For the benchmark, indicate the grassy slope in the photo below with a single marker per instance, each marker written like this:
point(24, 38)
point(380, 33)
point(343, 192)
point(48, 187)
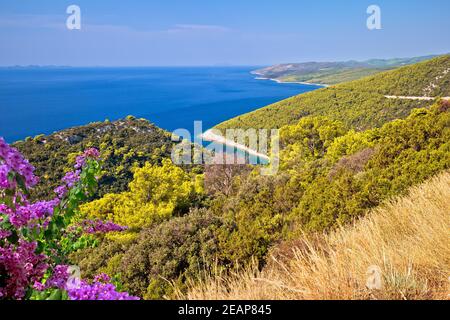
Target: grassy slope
point(359, 104)
point(407, 239)
point(332, 78)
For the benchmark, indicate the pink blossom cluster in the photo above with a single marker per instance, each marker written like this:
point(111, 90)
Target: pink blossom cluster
point(24, 215)
point(61, 191)
point(12, 161)
point(99, 226)
point(23, 266)
point(4, 181)
point(20, 264)
point(91, 153)
point(71, 178)
point(4, 233)
point(58, 279)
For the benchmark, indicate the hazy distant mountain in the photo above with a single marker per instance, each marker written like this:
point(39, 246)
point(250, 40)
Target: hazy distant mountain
point(330, 73)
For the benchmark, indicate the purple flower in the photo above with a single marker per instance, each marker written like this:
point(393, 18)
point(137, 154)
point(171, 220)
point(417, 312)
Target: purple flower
point(102, 277)
point(24, 215)
point(71, 178)
point(38, 286)
point(59, 277)
point(4, 234)
point(4, 148)
point(12, 160)
point(100, 289)
point(4, 208)
point(80, 162)
point(99, 226)
point(91, 153)
point(4, 182)
point(61, 191)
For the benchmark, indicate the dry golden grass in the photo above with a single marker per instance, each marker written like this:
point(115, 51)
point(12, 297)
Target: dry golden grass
point(407, 240)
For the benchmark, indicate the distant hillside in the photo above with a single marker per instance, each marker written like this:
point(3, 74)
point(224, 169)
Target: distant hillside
point(360, 104)
point(124, 144)
point(330, 73)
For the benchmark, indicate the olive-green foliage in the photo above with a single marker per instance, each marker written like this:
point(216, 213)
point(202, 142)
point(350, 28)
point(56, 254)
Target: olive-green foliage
point(359, 104)
point(340, 179)
point(124, 145)
point(351, 174)
point(406, 153)
point(105, 258)
point(403, 153)
point(161, 257)
point(172, 251)
point(253, 217)
point(356, 109)
point(430, 78)
point(309, 139)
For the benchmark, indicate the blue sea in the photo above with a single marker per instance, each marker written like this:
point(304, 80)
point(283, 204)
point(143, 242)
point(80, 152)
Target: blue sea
point(44, 100)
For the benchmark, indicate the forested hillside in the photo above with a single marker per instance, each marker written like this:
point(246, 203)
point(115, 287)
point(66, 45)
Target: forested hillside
point(124, 145)
point(359, 104)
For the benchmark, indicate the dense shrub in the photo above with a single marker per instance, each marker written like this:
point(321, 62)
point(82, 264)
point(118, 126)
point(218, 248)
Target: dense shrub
point(104, 258)
point(170, 252)
point(254, 216)
point(220, 178)
point(406, 152)
point(309, 139)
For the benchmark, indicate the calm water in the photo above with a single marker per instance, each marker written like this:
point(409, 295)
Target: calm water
point(35, 101)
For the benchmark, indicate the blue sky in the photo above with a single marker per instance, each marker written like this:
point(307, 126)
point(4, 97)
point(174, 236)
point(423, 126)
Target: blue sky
point(217, 32)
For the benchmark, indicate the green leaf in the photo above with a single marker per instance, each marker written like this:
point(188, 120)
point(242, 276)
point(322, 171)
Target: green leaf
point(55, 295)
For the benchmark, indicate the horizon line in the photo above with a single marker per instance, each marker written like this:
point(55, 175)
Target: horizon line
point(213, 65)
point(125, 66)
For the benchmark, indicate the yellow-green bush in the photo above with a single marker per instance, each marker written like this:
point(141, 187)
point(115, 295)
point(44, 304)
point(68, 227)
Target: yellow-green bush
point(156, 193)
